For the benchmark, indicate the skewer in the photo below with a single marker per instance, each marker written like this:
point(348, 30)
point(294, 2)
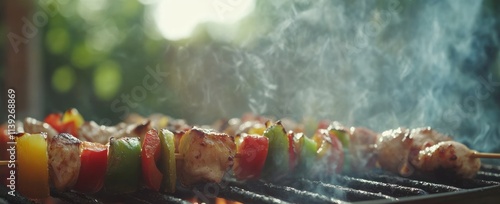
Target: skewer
point(476, 154)
point(177, 156)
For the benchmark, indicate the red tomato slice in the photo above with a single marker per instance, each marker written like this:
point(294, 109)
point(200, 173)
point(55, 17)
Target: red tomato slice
point(253, 152)
point(150, 154)
point(94, 160)
point(292, 151)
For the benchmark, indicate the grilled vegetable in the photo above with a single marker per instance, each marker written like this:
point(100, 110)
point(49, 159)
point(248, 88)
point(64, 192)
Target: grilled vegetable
point(150, 154)
point(277, 160)
point(168, 165)
point(94, 160)
point(124, 165)
point(70, 122)
point(340, 132)
point(253, 152)
point(306, 152)
point(257, 129)
point(32, 163)
point(64, 160)
point(330, 153)
point(292, 152)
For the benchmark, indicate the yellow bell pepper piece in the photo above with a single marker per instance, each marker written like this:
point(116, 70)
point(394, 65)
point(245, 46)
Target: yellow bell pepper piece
point(257, 129)
point(32, 162)
point(73, 115)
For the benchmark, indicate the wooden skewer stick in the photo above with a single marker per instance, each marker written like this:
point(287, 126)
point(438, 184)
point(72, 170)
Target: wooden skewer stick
point(177, 156)
point(485, 155)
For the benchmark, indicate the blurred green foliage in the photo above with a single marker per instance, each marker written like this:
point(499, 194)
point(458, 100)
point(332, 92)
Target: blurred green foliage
point(93, 52)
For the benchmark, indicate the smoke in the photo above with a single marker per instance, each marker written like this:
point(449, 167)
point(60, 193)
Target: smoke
point(378, 64)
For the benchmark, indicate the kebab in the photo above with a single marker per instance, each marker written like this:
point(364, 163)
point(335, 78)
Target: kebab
point(297, 146)
point(194, 165)
point(419, 151)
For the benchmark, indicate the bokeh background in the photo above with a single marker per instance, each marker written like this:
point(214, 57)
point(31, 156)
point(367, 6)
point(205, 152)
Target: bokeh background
point(380, 64)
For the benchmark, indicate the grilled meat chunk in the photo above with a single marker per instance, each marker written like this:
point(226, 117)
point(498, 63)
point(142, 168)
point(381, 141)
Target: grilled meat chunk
point(361, 148)
point(64, 160)
point(448, 155)
point(207, 156)
point(423, 150)
point(32, 125)
point(92, 132)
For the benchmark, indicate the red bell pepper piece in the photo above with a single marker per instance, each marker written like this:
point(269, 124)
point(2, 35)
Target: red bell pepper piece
point(253, 152)
point(55, 120)
point(330, 152)
point(70, 122)
point(94, 160)
point(150, 154)
point(292, 151)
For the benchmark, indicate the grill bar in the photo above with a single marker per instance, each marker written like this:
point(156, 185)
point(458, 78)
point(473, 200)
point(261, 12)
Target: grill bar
point(339, 192)
point(154, 197)
point(289, 194)
point(426, 186)
point(245, 196)
point(73, 197)
point(463, 183)
point(298, 195)
point(379, 187)
point(490, 168)
point(488, 176)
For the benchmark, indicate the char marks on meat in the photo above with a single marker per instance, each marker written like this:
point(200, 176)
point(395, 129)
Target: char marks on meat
point(64, 160)
point(423, 150)
point(207, 156)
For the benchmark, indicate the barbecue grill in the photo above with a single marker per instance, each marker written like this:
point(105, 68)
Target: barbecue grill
point(372, 187)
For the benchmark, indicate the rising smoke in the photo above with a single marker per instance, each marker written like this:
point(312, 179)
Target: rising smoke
point(379, 64)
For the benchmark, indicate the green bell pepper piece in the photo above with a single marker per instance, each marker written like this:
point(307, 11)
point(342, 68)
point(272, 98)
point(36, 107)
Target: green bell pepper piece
point(347, 161)
point(124, 165)
point(307, 148)
point(341, 132)
point(277, 159)
point(167, 165)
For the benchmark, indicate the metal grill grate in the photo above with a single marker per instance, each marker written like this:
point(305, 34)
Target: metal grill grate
point(377, 186)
